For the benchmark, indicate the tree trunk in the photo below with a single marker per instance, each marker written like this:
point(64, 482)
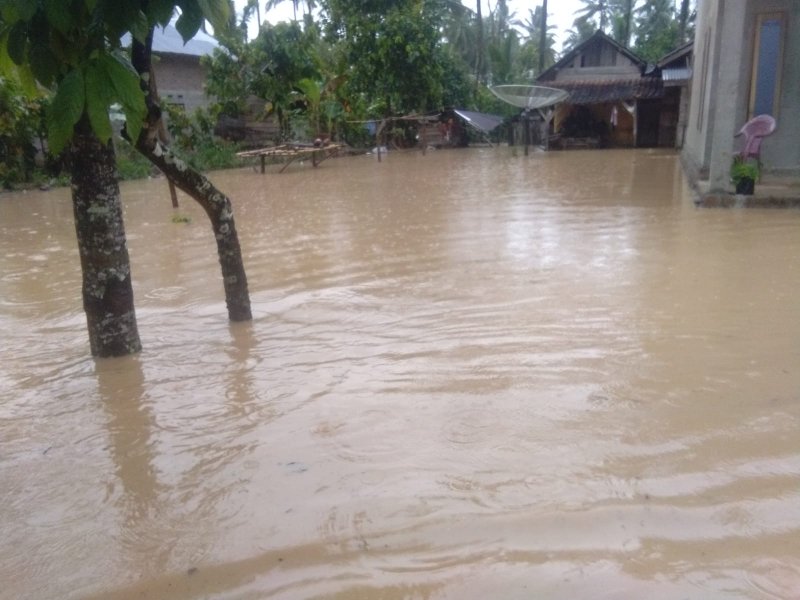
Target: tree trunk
point(543, 38)
point(479, 51)
point(220, 211)
point(683, 21)
point(627, 17)
point(216, 204)
point(107, 289)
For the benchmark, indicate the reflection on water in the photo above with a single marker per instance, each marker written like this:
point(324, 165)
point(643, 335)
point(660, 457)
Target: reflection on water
point(469, 375)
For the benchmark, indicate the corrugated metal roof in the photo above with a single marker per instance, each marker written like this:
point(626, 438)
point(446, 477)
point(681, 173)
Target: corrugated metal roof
point(676, 74)
point(169, 41)
point(601, 92)
point(482, 121)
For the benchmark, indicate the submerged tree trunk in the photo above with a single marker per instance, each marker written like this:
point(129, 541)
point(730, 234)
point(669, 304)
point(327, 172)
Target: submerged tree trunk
point(107, 289)
point(216, 204)
point(220, 212)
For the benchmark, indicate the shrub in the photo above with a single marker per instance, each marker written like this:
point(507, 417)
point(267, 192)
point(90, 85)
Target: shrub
point(194, 141)
point(20, 118)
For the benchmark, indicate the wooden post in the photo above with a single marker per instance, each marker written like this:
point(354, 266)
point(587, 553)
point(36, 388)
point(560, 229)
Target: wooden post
point(263, 164)
point(424, 137)
point(632, 110)
point(526, 130)
point(378, 136)
point(173, 194)
point(547, 117)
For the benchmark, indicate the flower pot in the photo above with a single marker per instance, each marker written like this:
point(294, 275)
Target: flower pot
point(745, 186)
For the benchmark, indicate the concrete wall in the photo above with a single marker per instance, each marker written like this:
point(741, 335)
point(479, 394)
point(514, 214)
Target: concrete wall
point(724, 48)
point(181, 79)
point(781, 151)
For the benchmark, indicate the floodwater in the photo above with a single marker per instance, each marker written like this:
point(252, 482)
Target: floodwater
point(470, 375)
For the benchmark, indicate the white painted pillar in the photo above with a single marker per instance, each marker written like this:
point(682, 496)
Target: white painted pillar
point(729, 93)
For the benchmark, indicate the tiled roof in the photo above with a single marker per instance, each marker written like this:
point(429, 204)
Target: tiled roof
point(601, 92)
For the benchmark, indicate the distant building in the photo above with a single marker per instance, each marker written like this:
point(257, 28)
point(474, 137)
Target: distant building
point(747, 62)
point(614, 99)
point(180, 77)
point(675, 70)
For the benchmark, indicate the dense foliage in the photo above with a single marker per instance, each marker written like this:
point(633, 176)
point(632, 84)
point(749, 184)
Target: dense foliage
point(20, 119)
point(346, 61)
point(339, 62)
point(651, 28)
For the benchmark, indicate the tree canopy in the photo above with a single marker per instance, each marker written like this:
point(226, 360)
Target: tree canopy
point(73, 48)
point(652, 28)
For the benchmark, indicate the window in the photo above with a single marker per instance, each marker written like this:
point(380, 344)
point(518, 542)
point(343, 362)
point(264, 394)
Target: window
point(765, 83)
point(591, 56)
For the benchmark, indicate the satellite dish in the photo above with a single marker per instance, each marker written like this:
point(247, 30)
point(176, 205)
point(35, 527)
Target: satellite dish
point(529, 96)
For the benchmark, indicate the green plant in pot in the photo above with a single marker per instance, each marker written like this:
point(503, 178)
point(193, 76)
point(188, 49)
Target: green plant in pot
point(744, 174)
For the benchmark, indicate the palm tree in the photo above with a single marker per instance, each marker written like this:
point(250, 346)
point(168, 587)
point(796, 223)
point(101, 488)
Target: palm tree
point(656, 29)
point(273, 3)
point(543, 36)
point(480, 51)
point(582, 30)
point(683, 21)
point(540, 36)
point(252, 6)
point(622, 21)
point(597, 11)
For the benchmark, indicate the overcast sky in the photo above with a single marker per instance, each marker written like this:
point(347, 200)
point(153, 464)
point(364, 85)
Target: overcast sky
point(561, 12)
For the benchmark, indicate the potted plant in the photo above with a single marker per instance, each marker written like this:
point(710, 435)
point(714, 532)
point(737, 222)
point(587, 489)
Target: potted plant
point(744, 174)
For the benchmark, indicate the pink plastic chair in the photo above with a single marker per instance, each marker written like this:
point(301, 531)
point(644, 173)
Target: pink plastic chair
point(755, 130)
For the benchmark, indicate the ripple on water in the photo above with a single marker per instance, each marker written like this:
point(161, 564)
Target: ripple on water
point(778, 579)
point(505, 376)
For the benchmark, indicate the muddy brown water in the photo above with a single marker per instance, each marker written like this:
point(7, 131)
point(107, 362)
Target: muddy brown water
point(470, 375)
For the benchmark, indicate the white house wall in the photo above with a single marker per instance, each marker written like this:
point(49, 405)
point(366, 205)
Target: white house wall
point(724, 47)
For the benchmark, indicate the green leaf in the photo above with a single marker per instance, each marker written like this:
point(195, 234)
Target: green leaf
point(59, 15)
point(188, 24)
point(125, 83)
point(27, 81)
point(99, 97)
point(133, 123)
point(25, 8)
point(65, 110)
point(17, 42)
point(140, 26)
point(160, 11)
point(6, 64)
point(117, 17)
point(217, 12)
point(43, 63)
point(8, 12)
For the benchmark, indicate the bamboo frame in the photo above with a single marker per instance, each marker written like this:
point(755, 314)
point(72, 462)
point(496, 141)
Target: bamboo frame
point(292, 152)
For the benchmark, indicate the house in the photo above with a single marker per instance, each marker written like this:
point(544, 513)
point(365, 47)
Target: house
point(180, 76)
point(675, 70)
point(747, 62)
point(614, 98)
